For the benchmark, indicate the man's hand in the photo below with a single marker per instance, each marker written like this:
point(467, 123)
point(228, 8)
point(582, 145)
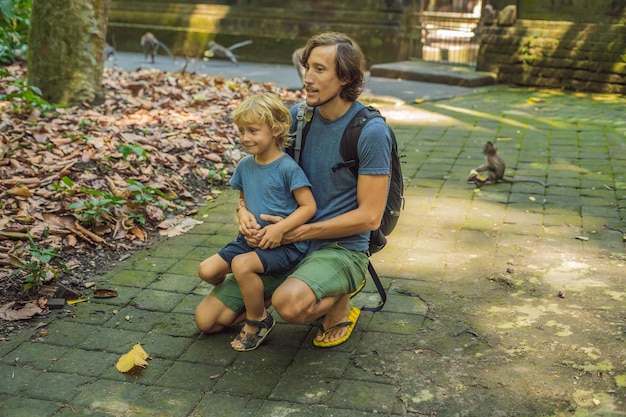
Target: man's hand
point(289, 237)
point(272, 237)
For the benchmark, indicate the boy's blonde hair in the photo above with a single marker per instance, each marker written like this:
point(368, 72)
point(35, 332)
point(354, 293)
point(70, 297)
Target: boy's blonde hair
point(266, 108)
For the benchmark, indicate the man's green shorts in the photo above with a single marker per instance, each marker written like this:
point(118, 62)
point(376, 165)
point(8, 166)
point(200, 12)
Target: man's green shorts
point(329, 271)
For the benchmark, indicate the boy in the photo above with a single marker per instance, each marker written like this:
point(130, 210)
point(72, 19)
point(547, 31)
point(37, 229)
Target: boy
point(269, 182)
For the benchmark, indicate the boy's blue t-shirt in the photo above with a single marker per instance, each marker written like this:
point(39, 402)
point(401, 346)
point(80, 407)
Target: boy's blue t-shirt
point(335, 192)
point(268, 188)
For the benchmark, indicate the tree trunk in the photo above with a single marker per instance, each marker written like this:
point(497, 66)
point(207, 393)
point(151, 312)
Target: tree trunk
point(66, 49)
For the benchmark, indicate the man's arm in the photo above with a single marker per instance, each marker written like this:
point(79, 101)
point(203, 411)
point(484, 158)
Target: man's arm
point(272, 235)
point(371, 199)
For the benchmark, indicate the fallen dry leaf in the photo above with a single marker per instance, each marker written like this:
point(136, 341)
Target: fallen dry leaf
point(172, 132)
point(19, 310)
point(175, 227)
point(136, 357)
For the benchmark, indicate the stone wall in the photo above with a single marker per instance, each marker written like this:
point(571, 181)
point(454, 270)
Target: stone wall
point(276, 27)
point(574, 56)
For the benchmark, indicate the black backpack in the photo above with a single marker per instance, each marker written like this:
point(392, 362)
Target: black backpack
point(349, 153)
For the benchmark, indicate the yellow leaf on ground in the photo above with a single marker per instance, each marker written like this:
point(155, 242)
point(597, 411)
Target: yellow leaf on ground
point(136, 357)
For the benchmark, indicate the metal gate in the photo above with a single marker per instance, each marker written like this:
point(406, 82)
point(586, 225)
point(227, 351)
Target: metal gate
point(444, 30)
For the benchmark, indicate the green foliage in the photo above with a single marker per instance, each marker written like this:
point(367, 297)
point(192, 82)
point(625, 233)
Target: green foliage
point(92, 211)
point(23, 97)
point(144, 194)
point(14, 25)
point(42, 267)
point(130, 149)
point(65, 186)
point(102, 205)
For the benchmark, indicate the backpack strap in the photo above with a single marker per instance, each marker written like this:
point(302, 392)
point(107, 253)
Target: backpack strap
point(303, 117)
point(350, 139)
point(379, 287)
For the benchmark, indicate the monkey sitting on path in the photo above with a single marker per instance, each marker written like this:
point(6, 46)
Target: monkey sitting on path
point(494, 166)
point(150, 44)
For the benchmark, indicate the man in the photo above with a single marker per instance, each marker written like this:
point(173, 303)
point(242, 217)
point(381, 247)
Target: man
point(348, 207)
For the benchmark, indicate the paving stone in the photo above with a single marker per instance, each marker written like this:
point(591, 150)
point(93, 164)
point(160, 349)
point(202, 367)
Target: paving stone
point(132, 277)
point(175, 324)
point(27, 407)
point(67, 333)
point(157, 300)
point(405, 299)
point(91, 363)
point(159, 401)
point(12, 342)
point(135, 319)
point(169, 249)
point(124, 295)
point(221, 405)
point(188, 304)
point(37, 355)
point(56, 386)
point(91, 312)
point(387, 322)
point(111, 340)
point(144, 376)
point(165, 346)
point(199, 254)
point(212, 350)
point(73, 411)
point(278, 408)
point(109, 396)
point(179, 283)
point(286, 337)
point(16, 379)
point(365, 396)
point(184, 267)
point(149, 263)
point(257, 382)
point(305, 389)
point(190, 376)
point(316, 364)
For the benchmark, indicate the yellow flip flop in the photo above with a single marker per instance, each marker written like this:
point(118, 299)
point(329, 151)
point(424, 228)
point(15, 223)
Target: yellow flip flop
point(358, 289)
point(350, 324)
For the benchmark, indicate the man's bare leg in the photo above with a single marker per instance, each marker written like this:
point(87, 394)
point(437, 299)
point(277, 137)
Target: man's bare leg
point(296, 303)
point(212, 315)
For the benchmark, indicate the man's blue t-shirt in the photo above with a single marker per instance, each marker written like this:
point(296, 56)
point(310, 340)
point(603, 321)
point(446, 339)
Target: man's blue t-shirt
point(335, 192)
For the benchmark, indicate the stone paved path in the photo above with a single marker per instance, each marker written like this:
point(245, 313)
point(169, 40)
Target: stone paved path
point(473, 325)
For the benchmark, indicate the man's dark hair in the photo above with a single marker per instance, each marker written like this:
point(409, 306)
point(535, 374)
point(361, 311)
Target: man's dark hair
point(349, 62)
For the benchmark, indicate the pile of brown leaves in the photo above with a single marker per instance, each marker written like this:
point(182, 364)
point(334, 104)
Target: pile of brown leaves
point(170, 132)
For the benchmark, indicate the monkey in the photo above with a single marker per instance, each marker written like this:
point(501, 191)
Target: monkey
point(296, 59)
point(507, 16)
point(217, 49)
point(109, 52)
point(495, 166)
point(489, 15)
point(150, 44)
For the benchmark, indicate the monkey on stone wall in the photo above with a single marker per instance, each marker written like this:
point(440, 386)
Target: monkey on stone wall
point(150, 45)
